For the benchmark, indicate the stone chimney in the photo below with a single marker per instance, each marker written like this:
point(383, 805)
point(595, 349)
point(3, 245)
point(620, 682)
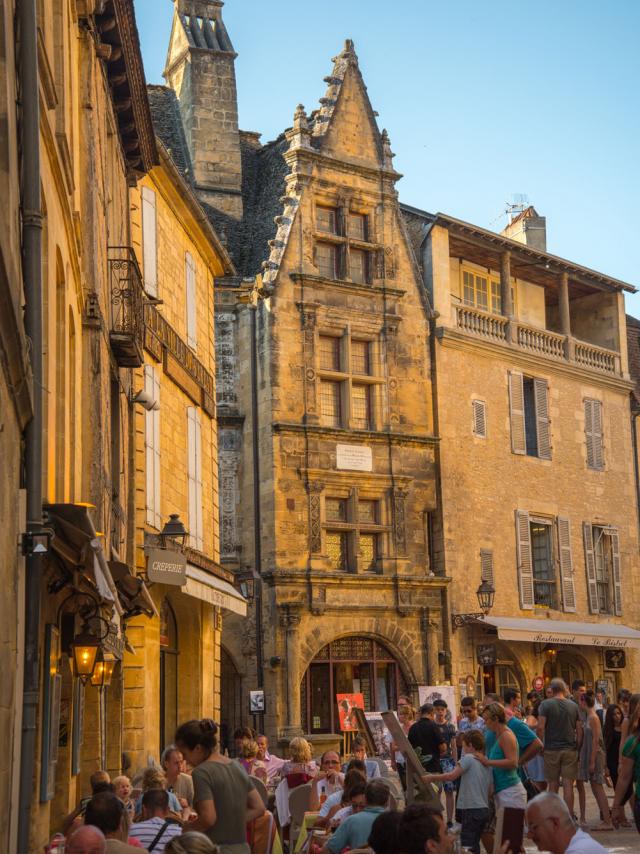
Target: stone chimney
point(528, 227)
point(200, 69)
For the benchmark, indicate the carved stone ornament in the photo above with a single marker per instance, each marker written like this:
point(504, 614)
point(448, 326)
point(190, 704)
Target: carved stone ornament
point(399, 520)
point(315, 523)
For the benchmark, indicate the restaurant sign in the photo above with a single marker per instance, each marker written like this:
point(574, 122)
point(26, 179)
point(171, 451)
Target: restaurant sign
point(167, 567)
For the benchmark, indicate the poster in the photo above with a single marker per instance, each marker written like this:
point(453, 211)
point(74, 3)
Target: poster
point(346, 702)
point(380, 734)
point(429, 693)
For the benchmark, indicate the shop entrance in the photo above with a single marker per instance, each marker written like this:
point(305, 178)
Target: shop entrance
point(351, 665)
point(230, 700)
point(496, 679)
point(168, 675)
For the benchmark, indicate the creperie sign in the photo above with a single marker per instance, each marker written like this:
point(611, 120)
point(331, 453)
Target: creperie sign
point(167, 567)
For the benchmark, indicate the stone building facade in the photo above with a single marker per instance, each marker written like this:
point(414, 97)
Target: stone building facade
point(324, 402)
point(16, 409)
point(538, 494)
point(174, 673)
point(96, 140)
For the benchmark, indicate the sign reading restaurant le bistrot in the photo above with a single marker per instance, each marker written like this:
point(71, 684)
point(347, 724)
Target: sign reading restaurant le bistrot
point(167, 567)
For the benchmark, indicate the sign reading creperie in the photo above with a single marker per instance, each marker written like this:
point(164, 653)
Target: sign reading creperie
point(167, 567)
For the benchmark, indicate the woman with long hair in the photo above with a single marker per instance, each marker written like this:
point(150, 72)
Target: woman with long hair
point(612, 733)
point(629, 768)
point(224, 796)
point(300, 768)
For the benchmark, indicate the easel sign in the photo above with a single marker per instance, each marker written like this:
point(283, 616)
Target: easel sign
point(415, 771)
point(364, 731)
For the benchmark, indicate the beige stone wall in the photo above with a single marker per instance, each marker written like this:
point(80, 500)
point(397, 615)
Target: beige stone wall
point(484, 483)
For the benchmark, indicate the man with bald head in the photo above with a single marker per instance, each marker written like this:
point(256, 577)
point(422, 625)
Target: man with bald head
point(86, 840)
point(552, 828)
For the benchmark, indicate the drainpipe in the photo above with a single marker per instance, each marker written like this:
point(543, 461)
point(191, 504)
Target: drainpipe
point(636, 471)
point(32, 273)
point(257, 518)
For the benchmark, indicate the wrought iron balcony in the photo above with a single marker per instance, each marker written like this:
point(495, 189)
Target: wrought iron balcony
point(126, 330)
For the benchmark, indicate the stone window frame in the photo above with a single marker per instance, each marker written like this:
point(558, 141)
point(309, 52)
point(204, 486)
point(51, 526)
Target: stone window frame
point(347, 378)
point(352, 527)
point(343, 241)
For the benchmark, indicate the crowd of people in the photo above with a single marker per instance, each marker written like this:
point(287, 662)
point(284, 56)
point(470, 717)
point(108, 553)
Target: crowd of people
point(534, 756)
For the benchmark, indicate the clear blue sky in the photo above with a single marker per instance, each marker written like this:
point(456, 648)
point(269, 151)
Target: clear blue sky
point(481, 100)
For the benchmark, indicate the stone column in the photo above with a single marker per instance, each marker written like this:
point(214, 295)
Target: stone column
point(290, 622)
point(505, 292)
point(430, 629)
point(565, 315)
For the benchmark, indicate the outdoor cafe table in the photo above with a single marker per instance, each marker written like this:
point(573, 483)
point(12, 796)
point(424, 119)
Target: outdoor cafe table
point(307, 823)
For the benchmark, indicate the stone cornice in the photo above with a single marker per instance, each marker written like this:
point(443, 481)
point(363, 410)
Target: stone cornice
point(450, 337)
point(361, 436)
point(356, 581)
point(348, 167)
point(321, 281)
point(345, 476)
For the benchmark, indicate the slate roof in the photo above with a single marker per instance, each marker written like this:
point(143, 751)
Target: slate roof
point(167, 123)
point(633, 345)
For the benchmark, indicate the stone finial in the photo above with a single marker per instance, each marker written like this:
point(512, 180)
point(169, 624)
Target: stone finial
point(347, 56)
point(299, 135)
point(387, 154)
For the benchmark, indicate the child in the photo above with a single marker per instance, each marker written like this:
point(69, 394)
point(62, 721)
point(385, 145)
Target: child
point(122, 788)
point(473, 797)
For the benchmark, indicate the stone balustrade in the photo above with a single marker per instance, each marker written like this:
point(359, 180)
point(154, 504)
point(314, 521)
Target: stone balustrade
point(543, 342)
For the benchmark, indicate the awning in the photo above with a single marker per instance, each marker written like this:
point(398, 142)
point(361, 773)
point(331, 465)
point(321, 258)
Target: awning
point(132, 590)
point(611, 635)
point(208, 588)
point(77, 543)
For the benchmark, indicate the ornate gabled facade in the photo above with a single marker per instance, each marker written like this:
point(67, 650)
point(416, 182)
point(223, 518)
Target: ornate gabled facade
point(327, 474)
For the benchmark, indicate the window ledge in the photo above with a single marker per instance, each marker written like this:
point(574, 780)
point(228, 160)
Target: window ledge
point(322, 281)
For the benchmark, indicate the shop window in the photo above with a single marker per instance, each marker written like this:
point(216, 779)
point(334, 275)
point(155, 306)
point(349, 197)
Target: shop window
point(168, 674)
point(346, 666)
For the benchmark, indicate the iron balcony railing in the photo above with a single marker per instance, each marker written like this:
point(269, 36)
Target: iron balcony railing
point(126, 331)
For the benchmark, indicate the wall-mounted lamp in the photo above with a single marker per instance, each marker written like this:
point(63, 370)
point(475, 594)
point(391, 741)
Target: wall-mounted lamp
point(486, 594)
point(36, 542)
point(174, 530)
point(84, 648)
point(103, 673)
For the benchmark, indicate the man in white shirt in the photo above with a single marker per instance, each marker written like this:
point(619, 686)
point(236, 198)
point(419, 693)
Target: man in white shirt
point(327, 781)
point(273, 763)
point(551, 827)
point(156, 829)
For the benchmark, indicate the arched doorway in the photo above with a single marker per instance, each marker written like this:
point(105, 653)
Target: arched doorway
point(230, 700)
point(349, 665)
point(168, 674)
point(505, 673)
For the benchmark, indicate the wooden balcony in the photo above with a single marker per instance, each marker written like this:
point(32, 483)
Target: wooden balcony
point(542, 342)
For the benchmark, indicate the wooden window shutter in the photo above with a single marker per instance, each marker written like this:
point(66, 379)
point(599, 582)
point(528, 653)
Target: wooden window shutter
point(593, 433)
point(516, 411)
point(543, 429)
point(566, 565)
point(192, 322)
point(149, 241)
point(479, 418)
point(156, 451)
point(486, 565)
point(617, 574)
point(198, 474)
point(525, 561)
point(148, 450)
point(191, 476)
point(590, 563)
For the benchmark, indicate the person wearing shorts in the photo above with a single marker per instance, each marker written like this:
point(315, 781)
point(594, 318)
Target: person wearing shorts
point(449, 758)
point(560, 730)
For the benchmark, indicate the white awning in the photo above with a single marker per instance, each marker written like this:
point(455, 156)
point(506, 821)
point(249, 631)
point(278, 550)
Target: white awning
point(605, 634)
point(206, 587)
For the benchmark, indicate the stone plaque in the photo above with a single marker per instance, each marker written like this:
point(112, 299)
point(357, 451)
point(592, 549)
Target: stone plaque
point(165, 566)
point(354, 457)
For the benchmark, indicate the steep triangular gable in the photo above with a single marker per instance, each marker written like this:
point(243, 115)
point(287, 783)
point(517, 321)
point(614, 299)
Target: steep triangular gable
point(345, 126)
point(178, 41)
